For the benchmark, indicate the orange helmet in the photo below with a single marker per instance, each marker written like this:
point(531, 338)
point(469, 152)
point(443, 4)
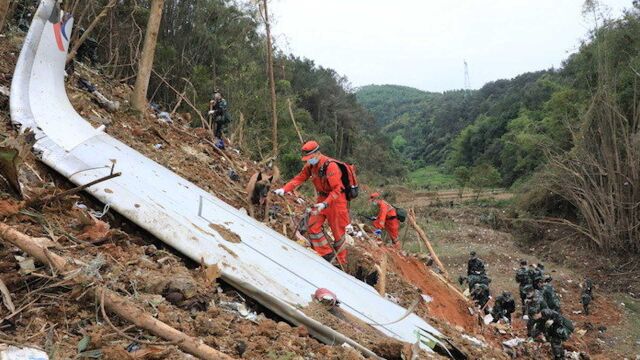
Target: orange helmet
point(326, 296)
point(375, 195)
point(309, 149)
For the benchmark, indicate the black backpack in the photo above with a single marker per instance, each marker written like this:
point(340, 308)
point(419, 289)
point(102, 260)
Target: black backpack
point(401, 214)
point(349, 180)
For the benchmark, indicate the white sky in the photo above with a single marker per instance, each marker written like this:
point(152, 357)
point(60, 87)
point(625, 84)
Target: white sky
point(422, 43)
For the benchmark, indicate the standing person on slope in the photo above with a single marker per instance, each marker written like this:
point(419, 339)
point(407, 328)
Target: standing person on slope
point(387, 219)
point(331, 204)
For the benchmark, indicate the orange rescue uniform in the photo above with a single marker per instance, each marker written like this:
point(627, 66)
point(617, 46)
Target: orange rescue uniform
point(387, 219)
point(330, 191)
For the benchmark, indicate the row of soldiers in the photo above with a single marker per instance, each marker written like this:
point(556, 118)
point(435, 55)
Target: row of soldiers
point(539, 300)
point(541, 307)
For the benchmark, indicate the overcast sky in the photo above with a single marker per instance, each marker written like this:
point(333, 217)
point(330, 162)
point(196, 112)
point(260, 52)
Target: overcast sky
point(423, 43)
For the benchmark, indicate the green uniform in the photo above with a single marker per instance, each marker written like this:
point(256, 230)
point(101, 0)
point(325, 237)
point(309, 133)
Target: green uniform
point(556, 329)
point(480, 294)
point(475, 266)
point(585, 299)
point(477, 279)
point(535, 304)
point(220, 117)
point(503, 307)
point(523, 279)
point(550, 297)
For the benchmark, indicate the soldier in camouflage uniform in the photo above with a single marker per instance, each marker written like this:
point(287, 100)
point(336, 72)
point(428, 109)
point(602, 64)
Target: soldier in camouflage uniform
point(549, 294)
point(481, 295)
point(478, 279)
point(503, 307)
point(534, 305)
point(523, 279)
point(475, 266)
point(556, 329)
point(585, 300)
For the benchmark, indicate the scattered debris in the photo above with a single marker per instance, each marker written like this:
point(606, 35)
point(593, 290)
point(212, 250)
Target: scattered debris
point(10, 352)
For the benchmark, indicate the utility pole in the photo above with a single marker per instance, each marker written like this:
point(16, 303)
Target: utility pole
point(145, 65)
point(467, 83)
point(272, 84)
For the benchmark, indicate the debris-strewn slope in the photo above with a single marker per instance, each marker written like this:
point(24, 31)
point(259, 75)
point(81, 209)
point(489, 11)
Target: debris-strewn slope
point(55, 314)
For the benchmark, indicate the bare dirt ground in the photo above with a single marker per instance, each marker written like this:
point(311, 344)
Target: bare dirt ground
point(612, 331)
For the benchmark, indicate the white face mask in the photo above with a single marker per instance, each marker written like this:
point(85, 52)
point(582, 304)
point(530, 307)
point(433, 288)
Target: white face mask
point(313, 161)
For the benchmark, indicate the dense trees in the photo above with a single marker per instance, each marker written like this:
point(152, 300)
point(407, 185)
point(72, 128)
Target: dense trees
point(574, 132)
point(207, 44)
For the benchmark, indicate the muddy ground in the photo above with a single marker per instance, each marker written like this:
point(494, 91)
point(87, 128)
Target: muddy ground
point(612, 330)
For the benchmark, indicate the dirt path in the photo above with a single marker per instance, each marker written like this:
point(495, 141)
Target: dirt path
point(418, 199)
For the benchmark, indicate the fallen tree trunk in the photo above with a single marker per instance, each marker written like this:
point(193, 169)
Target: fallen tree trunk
point(425, 239)
point(115, 303)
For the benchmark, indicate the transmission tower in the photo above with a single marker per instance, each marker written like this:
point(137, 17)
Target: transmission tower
point(467, 83)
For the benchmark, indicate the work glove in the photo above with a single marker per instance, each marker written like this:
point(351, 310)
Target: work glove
point(349, 229)
point(279, 192)
point(320, 206)
point(378, 232)
point(548, 323)
point(211, 112)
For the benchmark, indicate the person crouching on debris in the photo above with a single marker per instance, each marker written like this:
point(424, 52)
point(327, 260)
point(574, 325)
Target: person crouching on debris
point(219, 116)
point(331, 204)
point(503, 307)
point(557, 329)
point(386, 219)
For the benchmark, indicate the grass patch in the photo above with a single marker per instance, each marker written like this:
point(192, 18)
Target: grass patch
point(431, 178)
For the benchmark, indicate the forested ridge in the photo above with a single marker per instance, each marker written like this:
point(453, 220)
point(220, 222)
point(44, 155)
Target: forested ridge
point(205, 45)
point(510, 123)
point(569, 138)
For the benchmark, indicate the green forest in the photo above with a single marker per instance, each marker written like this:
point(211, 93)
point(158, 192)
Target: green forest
point(205, 45)
point(565, 139)
point(512, 125)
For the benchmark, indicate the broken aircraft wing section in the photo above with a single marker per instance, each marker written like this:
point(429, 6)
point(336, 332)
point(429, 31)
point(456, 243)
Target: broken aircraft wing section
point(278, 272)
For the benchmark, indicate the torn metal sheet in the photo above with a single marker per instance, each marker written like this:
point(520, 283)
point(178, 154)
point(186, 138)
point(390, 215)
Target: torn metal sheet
point(179, 213)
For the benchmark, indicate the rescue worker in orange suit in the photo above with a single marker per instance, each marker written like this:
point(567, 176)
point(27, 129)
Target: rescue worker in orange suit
point(387, 219)
point(331, 204)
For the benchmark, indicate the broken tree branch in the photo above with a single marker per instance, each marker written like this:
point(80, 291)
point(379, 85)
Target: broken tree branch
point(179, 94)
point(85, 35)
point(6, 297)
point(115, 303)
point(381, 285)
point(295, 124)
point(38, 202)
point(425, 239)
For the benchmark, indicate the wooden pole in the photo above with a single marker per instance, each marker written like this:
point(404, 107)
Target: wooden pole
point(117, 304)
point(293, 120)
point(422, 235)
point(272, 84)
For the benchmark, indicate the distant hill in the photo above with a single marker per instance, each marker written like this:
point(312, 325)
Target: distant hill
point(427, 128)
point(387, 102)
